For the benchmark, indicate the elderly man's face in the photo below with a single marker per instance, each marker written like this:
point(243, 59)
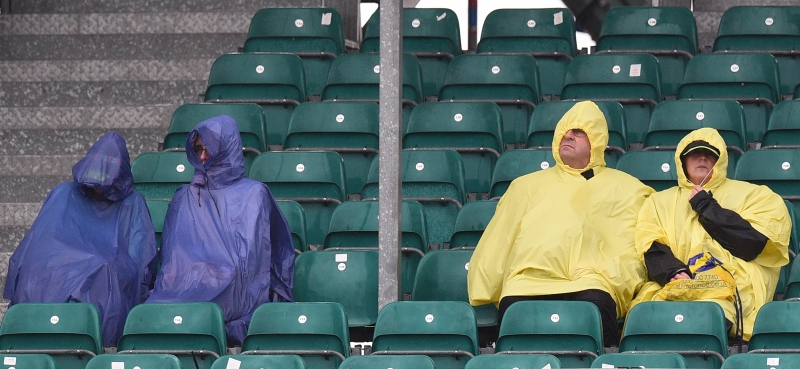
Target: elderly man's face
point(699, 164)
point(201, 150)
point(575, 149)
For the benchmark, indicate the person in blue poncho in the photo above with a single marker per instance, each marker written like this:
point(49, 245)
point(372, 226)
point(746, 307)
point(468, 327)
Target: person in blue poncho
point(93, 241)
point(224, 239)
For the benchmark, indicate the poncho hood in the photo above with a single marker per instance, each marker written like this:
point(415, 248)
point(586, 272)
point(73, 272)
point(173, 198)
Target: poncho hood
point(587, 117)
point(107, 166)
point(226, 164)
point(720, 171)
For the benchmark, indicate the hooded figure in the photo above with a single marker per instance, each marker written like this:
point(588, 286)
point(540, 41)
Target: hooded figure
point(744, 226)
point(562, 230)
point(224, 239)
point(91, 242)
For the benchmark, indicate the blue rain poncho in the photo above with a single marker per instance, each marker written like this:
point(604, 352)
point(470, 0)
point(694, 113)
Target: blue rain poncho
point(224, 239)
point(91, 242)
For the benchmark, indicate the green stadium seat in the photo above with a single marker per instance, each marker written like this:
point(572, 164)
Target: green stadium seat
point(316, 35)
point(510, 81)
point(158, 212)
point(668, 33)
point(546, 34)
point(570, 330)
point(354, 226)
point(517, 163)
point(518, 361)
point(296, 217)
point(473, 129)
point(347, 277)
point(768, 29)
point(777, 328)
point(631, 360)
point(432, 35)
point(794, 248)
point(114, 361)
point(673, 120)
point(27, 361)
point(546, 116)
point(750, 79)
point(68, 332)
point(273, 81)
point(783, 130)
point(445, 331)
point(694, 329)
point(435, 178)
point(762, 361)
point(633, 80)
point(442, 276)
point(260, 361)
point(157, 175)
point(388, 362)
point(315, 179)
point(316, 331)
point(778, 169)
point(472, 220)
point(192, 331)
point(654, 168)
point(349, 128)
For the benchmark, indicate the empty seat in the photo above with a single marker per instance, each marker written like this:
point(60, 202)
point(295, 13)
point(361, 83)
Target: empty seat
point(750, 79)
point(767, 29)
point(519, 361)
point(779, 169)
point(314, 34)
point(546, 116)
point(633, 80)
point(347, 277)
point(354, 226)
point(435, 178)
point(349, 128)
point(442, 276)
point(473, 129)
point(273, 81)
point(443, 330)
point(296, 217)
point(693, 329)
point(158, 212)
point(777, 328)
point(318, 332)
point(388, 362)
point(472, 220)
point(517, 163)
point(157, 175)
point(570, 330)
point(510, 81)
point(432, 35)
point(761, 361)
point(546, 34)
point(28, 361)
point(260, 361)
point(192, 331)
point(654, 168)
point(68, 332)
point(783, 129)
point(668, 33)
point(631, 360)
point(114, 361)
point(315, 179)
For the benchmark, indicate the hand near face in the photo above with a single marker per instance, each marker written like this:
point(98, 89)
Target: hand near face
point(681, 275)
point(695, 190)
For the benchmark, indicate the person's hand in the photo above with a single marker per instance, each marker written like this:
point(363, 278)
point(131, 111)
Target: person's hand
point(695, 191)
point(681, 275)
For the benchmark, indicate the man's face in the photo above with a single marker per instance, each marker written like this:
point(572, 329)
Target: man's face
point(575, 149)
point(699, 164)
point(201, 150)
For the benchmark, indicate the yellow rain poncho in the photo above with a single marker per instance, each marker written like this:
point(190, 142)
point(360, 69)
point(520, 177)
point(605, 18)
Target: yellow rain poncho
point(556, 232)
point(667, 218)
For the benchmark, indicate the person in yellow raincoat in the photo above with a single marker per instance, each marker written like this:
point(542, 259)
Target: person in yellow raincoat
point(743, 226)
point(565, 233)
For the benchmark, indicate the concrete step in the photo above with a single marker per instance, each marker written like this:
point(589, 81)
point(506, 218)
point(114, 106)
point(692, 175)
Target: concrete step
point(102, 117)
point(47, 142)
point(137, 6)
point(101, 93)
point(105, 70)
point(126, 23)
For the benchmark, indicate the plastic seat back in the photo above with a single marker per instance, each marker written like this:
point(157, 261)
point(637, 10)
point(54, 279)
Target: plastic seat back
point(751, 79)
point(633, 80)
point(296, 217)
point(777, 327)
point(443, 330)
point(315, 179)
point(349, 128)
point(782, 128)
point(517, 163)
point(260, 361)
point(546, 34)
point(673, 326)
point(761, 361)
point(157, 175)
point(571, 330)
point(388, 361)
point(779, 169)
point(161, 361)
point(654, 168)
point(525, 361)
point(474, 129)
point(51, 328)
point(300, 328)
point(668, 33)
point(28, 361)
point(316, 35)
point(471, 222)
point(632, 360)
point(347, 277)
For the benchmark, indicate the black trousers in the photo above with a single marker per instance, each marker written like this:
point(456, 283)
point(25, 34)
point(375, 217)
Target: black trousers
point(601, 299)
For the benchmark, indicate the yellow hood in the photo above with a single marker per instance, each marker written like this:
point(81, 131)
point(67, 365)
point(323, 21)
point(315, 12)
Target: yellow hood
point(720, 171)
point(587, 117)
